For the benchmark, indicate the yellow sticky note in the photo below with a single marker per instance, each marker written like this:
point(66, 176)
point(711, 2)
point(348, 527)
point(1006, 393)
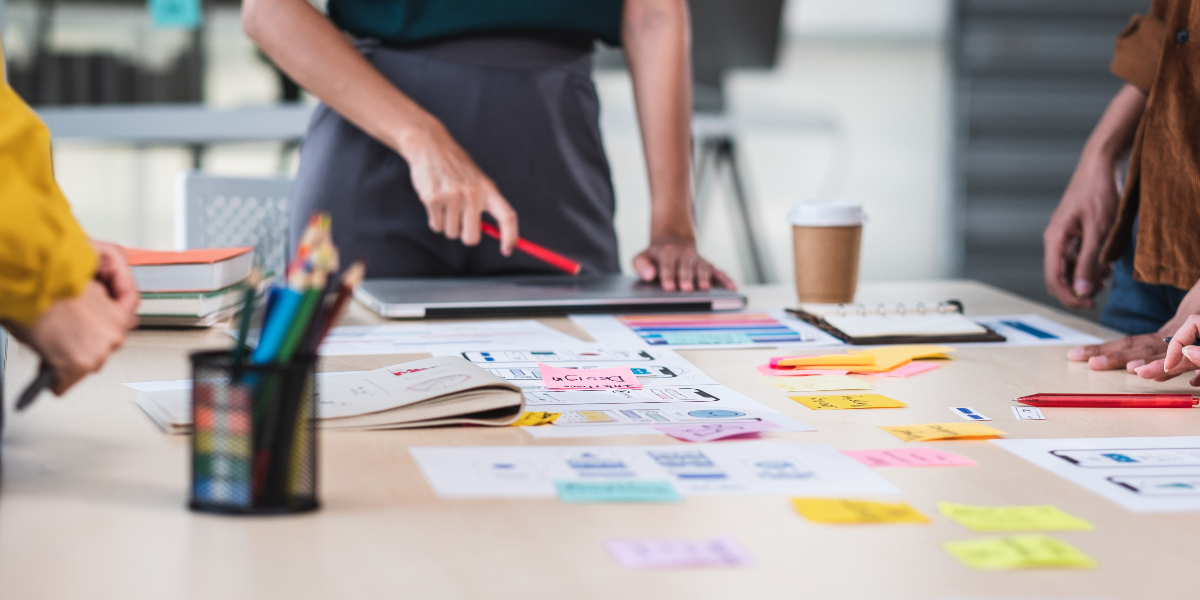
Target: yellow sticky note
point(829, 360)
point(532, 419)
point(848, 401)
point(839, 511)
point(984, 519)
point(1018, 552)
point(942, 431)
point(890, 357)
point(817, 383)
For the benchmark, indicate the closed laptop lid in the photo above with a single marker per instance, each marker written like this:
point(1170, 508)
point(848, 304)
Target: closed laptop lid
point(417, 298)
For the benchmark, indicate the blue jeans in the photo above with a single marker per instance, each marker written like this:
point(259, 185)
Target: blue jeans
point(1134, 307)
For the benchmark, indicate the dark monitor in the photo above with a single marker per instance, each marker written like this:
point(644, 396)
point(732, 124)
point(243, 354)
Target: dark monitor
point(727, 35)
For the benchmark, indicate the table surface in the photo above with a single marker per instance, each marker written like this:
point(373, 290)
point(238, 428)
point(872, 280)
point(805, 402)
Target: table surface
point(93, 496)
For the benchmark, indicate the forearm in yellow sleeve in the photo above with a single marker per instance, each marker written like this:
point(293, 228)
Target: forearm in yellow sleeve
point(44, 254)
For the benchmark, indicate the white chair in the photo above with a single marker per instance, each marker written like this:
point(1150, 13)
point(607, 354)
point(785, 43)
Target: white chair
point(216, 212)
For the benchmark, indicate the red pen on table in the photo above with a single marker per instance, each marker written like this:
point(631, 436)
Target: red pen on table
point(549, 257)
point(1110, 400)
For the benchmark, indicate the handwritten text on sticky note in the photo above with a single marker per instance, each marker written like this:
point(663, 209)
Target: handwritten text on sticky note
point(848, 401)
point(1043, 517)
point(617, 491)
point(1018, 552)
point(723, 551)
point(839, 511)
point(616, 378)
point(943, 431)
point(707, 432)
point(909, 457)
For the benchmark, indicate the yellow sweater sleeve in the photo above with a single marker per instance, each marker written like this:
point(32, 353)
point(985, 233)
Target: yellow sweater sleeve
point(44, 254)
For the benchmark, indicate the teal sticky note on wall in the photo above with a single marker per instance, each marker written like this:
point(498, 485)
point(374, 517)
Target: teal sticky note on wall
point(617, 491)
point(174, 14)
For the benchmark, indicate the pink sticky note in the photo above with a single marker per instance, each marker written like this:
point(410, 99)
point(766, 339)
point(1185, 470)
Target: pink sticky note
point(909, 457)
point(707, 432)
point(767, 370)
point(723, 551)
point(912, 368)
point(616, 378)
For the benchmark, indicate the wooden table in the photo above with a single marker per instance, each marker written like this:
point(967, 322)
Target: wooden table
point(93, 497)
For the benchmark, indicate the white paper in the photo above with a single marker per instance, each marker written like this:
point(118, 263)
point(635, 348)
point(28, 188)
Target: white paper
point(1142, 474)
point(611, 332)
point(416, 338)
point(673, 391)
point(1028, 413)
point(1017, 329)
point(715, 469)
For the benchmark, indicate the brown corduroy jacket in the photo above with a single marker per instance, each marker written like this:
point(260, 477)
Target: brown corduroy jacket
point(1159, 53)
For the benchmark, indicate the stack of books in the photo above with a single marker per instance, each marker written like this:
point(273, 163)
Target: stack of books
point(189, 288)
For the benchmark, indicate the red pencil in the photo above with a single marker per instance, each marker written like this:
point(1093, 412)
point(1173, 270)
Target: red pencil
point(1111, 400)
point(549, 257)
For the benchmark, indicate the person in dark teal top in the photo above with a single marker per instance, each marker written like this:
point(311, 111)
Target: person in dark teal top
point(439, 115)
point(417, 21)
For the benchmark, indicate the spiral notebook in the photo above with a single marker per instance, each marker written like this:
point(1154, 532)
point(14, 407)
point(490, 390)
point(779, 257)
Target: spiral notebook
point(901, 323)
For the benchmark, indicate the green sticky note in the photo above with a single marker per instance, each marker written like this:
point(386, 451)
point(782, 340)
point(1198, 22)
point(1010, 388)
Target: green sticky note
point(1018, 552)
point(617, 491)
point(1043, 517)
point(174, 14)
point(695, 338)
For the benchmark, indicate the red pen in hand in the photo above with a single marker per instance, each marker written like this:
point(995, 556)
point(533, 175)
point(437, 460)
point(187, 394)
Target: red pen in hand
point(549, 257)
point(1110, 400)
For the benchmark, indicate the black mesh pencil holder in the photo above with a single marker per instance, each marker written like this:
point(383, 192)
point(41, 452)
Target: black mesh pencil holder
point(254, 439)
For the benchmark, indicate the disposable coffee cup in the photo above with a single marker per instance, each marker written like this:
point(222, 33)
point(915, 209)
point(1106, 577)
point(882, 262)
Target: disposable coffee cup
point(826, 240)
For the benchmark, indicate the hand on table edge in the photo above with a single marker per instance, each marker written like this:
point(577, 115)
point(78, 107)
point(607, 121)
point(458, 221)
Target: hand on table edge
point(677, 265)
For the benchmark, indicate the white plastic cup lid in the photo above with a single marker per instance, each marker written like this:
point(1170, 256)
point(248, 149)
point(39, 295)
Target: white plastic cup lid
point(826, 214)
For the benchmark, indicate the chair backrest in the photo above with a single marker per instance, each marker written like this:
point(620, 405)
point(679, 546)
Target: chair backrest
point(216, 212)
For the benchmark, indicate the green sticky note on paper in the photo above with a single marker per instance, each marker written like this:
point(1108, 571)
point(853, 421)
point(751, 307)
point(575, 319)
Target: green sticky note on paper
point(617, 491)
point(696, 338)
point(1018, 552)
point(1043, 517)
point(174, 14)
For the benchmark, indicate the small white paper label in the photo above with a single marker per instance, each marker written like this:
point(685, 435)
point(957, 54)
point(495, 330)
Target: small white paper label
point(1028, 412)
point(968, 414)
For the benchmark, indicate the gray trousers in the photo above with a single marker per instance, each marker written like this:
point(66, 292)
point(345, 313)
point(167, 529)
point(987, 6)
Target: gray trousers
point(525, 111)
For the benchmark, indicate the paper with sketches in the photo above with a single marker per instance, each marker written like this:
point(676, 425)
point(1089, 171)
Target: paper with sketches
point(756, 468)
point(1033, 330)
point(817, 383)
point(617, 491)
point(1018, 552)
point(673, 391)
point(909, 457)
point(990, 519)
point(566, 378)
point(692, 331)
point(1142, 474)
point(942, 431)
point(706, 432)
point(848, 401)
point(842, 512)
point(723, 551)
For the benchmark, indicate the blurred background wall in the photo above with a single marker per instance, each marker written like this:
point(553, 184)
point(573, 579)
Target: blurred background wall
point(955, 124)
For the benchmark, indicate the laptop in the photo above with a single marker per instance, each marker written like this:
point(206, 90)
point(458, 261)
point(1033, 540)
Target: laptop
point(419, 298)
